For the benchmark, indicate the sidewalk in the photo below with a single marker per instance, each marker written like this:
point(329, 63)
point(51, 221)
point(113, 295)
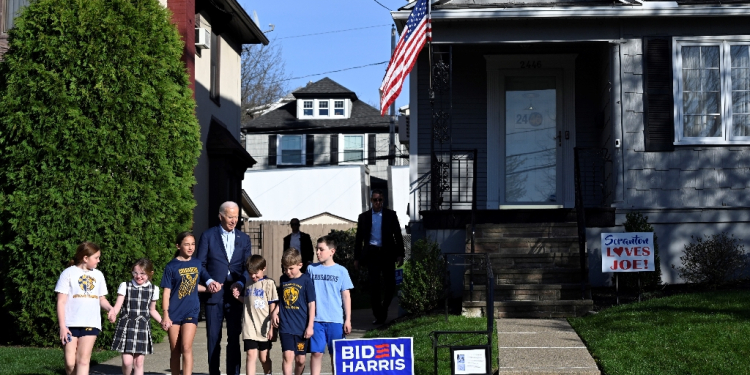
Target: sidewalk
point(158, 363)
point(542, 347)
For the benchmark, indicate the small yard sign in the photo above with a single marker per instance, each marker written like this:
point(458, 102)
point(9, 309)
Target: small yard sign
point(392, 356)
point(628, 252)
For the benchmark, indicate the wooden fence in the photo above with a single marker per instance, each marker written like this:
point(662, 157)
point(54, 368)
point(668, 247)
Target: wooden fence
point(268, 240)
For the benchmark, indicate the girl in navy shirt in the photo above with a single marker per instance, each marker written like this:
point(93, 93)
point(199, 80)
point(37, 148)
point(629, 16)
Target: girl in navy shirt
point(180, 302)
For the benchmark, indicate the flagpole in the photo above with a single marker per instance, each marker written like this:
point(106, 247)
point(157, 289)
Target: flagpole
point(429, 48)
point(392, 138)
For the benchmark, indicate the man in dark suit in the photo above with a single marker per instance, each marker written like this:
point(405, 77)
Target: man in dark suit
point(379, 246)
point(223, 250)
point(300, 241)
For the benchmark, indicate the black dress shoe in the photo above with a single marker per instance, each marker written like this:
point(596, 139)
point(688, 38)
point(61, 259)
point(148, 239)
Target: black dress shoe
point(378, 322)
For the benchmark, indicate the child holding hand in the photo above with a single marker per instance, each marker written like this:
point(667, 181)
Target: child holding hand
point(260, 299)
point(137, 299)
point(81, 291)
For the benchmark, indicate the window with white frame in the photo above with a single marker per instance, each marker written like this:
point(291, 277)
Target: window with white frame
point(712, 97)
point(291, 149)
point(354, 149)
point(307, 108)
point(338, 108)
point(322, 108)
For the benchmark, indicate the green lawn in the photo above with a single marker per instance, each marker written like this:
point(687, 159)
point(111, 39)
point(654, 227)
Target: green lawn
point(697, 333)
point(420, 328)
point(16, 360)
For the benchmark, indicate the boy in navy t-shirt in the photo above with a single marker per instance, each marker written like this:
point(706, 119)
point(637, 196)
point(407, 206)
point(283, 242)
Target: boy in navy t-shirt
point(296, 316)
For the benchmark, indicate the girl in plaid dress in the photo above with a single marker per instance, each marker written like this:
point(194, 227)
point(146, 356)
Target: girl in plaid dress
point(138, 302)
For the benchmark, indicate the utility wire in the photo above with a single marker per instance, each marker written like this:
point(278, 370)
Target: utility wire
point(379, 3)
point(332, 32)
point(334, 71)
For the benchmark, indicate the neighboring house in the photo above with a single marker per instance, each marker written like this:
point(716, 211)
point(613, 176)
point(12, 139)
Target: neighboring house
point(213, 61)
point(320, 125)
point(653, 97)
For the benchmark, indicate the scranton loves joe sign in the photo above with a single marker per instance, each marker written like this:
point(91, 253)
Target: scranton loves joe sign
point(393, 356)
point(628, 252)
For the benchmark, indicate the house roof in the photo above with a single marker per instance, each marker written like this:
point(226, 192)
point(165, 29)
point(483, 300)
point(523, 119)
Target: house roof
point(326, 87)
point(329, 215)
point(284, 118)
point(473, 10)
point(229, 16)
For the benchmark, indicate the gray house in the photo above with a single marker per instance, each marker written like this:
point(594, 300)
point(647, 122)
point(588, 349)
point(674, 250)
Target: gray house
point(646, 104)
point(323, 124)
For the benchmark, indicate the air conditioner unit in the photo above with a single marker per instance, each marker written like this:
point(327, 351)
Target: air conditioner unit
point(202, 38)
point(403, 129)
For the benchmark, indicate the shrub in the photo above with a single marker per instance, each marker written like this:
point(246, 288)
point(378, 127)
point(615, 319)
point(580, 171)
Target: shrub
point(714, 261)
point(636, 222)
point(99, 142)
point(423, 287)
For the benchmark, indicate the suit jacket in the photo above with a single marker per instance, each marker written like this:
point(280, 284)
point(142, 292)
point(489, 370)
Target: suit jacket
point(393, 242)
point(305, 242)
point(213, 256)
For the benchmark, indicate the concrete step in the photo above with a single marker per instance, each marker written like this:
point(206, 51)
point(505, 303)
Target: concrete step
point(526, 292)
point(541, 230)
point(548, 260)
point(530, 309)
point(528, 276)
point(525, 245)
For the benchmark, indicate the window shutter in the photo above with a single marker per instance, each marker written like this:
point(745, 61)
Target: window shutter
point(310, 150)
point(658, 101)
point(272, 149)
point(334, 149)
point(371, 149)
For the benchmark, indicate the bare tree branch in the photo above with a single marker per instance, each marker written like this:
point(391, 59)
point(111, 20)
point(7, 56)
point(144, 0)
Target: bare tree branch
point(263, 77)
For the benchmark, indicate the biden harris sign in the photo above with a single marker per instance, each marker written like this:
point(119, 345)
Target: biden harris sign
point(393, 356)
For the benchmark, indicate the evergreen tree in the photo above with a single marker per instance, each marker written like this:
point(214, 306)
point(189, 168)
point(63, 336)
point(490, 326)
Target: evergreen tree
point(98, 142)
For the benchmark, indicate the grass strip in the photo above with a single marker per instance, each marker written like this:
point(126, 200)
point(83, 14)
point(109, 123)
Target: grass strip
point(420, 328)
point(695, 333)
point(19, 360)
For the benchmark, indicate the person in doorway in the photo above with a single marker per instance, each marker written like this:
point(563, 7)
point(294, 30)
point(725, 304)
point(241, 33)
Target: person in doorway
point(302, 241)
point(378, 246)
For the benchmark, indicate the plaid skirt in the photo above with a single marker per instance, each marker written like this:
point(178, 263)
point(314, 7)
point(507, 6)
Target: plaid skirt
point(133, 335)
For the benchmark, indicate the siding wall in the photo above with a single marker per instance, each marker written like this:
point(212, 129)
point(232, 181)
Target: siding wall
point(689, 176)
point(257, 146)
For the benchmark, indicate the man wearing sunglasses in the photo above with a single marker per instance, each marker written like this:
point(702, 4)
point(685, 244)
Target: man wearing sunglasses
point(379, 246)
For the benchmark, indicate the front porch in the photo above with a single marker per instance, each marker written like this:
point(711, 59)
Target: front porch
point(512, 161)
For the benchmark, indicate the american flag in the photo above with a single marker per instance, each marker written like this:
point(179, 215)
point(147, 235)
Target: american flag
point(418, 30)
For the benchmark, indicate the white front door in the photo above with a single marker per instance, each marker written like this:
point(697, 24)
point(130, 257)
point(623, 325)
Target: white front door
point(530, 132)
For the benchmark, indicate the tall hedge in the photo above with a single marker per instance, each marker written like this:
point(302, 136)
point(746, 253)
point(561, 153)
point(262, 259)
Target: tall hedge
point(98, 141)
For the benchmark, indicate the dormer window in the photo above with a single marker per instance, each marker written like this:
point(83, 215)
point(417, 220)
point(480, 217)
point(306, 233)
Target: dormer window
point(338, 107)
point(324, 108)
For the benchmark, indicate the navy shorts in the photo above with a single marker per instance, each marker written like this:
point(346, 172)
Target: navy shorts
point(294, 343)
point(83, 331)
point(189, 319)
point(324, 334)
point(260, 345)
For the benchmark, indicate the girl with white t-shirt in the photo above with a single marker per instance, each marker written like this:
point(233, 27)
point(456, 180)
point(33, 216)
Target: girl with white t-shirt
point(80, 293)
point(138, 301)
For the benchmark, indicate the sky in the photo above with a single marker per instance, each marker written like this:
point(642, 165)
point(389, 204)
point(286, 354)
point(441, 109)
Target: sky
point(315, 54)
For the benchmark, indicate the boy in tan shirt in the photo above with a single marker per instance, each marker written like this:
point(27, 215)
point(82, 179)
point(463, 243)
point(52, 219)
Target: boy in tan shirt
point(260, 299)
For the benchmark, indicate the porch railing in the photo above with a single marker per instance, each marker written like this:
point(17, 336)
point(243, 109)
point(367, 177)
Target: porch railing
point(450, 185)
